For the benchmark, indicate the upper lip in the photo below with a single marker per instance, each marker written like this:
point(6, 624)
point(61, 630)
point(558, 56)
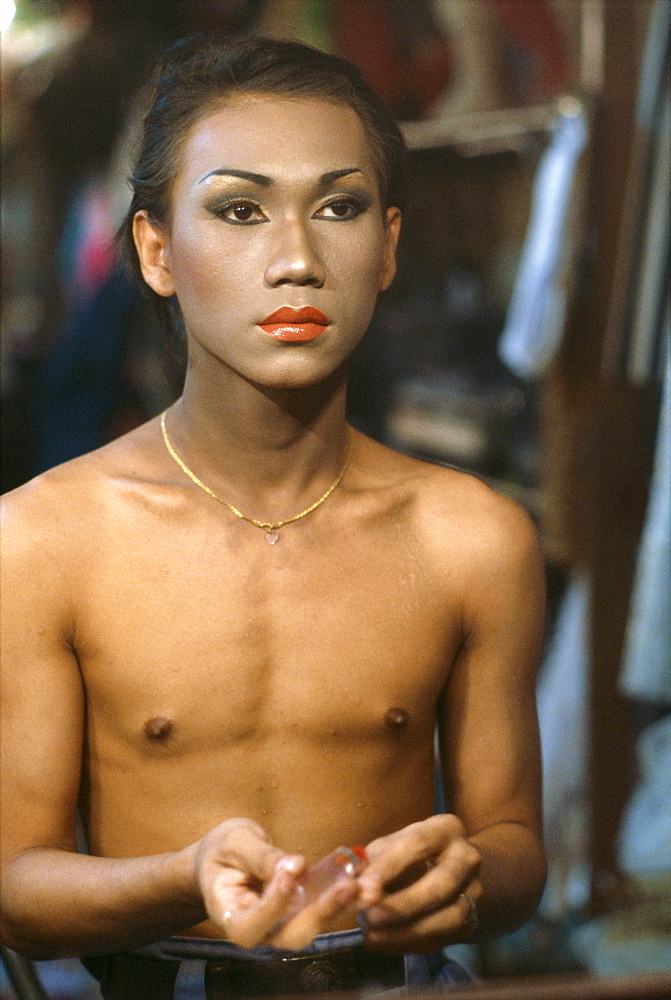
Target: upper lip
point(306, 314)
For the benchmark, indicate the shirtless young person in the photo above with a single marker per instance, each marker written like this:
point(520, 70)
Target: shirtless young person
point(225, 711)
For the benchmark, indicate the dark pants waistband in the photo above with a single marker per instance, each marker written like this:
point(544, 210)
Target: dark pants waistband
point(125, 976)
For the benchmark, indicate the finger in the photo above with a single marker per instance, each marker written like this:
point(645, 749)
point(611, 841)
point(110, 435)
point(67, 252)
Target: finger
point(226, 890)
point(430, 931)
point(246, 847)
point(318, 916)
point(441, 885)
point(248, 925)
point(389, 857)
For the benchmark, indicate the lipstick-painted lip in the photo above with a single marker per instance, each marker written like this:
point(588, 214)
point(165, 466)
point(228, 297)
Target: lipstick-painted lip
point(295, 325)
point(286, 314)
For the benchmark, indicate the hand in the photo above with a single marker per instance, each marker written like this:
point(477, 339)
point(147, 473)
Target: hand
point(246, 884)
point(411, 889)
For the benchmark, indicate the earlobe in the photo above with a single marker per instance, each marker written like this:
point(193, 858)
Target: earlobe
point(151, 242)
point(392, 232)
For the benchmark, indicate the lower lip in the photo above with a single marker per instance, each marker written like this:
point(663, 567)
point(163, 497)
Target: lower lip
point(294, 332)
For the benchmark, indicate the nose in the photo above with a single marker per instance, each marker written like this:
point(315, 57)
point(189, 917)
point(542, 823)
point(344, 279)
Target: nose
point(294, 257)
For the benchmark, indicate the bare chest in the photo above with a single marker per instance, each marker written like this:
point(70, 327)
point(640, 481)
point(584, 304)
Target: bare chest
point(217, 639)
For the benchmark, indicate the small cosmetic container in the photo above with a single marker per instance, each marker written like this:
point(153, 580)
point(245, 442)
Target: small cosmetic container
point(341, 863)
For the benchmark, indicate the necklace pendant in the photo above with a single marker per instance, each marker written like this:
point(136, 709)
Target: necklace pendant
point(272, 536)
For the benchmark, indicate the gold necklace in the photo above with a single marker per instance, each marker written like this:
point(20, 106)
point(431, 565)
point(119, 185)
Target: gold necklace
point(271, 530)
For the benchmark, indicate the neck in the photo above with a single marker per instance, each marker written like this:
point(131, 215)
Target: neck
point(267, 450)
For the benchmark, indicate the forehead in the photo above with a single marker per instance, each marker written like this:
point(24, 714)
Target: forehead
point(276, 135)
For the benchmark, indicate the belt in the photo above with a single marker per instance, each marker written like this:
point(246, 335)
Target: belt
point(129, 977)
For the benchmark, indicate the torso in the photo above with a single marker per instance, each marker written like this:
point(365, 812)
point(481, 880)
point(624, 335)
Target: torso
point(295, 684)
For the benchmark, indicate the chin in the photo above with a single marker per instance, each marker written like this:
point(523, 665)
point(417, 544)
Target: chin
point(294, 384)
point(304, 376)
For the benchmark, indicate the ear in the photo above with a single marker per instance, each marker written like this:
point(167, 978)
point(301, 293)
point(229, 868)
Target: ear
point(151, 243)
point(392, 232)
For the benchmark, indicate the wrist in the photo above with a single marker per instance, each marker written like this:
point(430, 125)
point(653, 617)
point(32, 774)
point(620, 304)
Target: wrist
point(186, 873)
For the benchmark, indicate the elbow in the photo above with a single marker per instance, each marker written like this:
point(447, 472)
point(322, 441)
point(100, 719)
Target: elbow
point(20, 940)
point(26, 924)
point(536, 877)
point(23, 933)
point(518, 889)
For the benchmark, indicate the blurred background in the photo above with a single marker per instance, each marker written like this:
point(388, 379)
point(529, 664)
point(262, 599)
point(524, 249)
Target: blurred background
point(526, 338)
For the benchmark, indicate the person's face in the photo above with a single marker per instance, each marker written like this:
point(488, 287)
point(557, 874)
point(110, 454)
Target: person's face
point(275, 204)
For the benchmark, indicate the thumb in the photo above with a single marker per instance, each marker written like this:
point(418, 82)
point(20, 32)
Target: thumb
point(247, 847)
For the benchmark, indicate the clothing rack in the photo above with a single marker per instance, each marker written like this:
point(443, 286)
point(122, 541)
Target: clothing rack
point(505, 130)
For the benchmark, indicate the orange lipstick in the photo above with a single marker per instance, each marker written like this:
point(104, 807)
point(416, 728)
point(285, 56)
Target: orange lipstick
point(295, 325)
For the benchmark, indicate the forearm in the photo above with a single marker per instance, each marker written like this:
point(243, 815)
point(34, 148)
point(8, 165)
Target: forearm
point(512, 873)
point(57, 903)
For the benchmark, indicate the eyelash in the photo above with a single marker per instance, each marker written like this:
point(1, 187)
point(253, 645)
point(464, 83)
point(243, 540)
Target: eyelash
point(222, 208)
point(356, 206)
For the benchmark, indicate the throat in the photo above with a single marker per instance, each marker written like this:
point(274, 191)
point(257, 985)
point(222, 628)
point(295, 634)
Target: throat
point(271, 529)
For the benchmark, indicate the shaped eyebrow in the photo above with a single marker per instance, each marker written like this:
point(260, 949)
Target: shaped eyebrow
point(247, 175)
point(334, 175)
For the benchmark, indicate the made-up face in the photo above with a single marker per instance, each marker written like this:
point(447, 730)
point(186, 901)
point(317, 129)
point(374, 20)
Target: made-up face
point(277, 246)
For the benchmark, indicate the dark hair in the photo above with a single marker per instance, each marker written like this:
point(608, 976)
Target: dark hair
point(198, 72)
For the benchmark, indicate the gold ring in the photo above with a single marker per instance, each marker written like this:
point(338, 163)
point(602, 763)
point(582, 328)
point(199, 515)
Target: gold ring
point(471, 921)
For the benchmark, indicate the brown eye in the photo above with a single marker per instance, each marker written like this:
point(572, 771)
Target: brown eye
point(242, 213)
point(342, 209)
point(239, 212)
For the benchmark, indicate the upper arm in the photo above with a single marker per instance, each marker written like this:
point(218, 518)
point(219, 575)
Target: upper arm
point(42, 703)
point(489, 730)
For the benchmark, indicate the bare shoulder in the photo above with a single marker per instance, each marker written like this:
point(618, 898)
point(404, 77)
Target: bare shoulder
point(481, 551)
point(57, 511)
point(456, 516)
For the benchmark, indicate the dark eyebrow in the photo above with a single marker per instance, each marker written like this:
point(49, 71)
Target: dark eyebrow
point(335, 175)
point(246, 175)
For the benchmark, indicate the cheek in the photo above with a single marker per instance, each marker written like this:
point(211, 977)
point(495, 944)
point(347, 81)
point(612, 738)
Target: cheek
point(358, 261)
point(201, 270)
point(361, 287)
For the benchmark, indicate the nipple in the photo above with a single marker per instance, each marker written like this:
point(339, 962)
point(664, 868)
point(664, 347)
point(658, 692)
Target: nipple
point(396, 719)
point(158, 728)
